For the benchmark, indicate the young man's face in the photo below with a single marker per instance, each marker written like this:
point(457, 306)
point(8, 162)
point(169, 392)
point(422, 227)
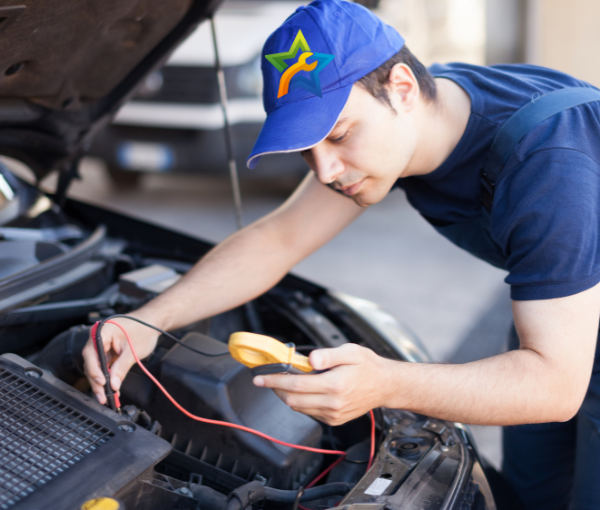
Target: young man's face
point(367, 150)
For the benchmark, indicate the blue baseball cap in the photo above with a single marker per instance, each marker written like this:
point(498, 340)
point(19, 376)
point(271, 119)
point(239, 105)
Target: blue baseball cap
point(309, 65)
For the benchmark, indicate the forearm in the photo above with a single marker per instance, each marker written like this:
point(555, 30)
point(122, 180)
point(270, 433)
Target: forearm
point(254, 259)
point(544, 381)
point(512, 388)
point(239, 269)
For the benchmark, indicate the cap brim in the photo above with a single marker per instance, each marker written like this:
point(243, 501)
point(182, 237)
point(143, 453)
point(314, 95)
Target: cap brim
point(299, 126)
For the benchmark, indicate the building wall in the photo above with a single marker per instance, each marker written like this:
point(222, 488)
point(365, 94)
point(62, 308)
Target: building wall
point(505, 31)
point(439, 30)
point(565, 35)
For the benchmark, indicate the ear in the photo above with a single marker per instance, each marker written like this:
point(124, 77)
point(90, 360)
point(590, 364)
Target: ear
point(403, 87)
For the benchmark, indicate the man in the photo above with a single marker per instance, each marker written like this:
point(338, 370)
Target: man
point(342, 89)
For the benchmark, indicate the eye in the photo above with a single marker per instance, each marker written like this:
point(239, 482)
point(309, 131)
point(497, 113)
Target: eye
point(337, 140)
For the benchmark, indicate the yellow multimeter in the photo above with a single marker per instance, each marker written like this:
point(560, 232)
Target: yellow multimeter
point(265, 355)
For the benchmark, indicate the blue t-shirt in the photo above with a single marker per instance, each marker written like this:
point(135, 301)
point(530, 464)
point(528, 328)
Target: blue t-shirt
point(545, 218)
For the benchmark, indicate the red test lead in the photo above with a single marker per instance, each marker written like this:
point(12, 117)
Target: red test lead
point(234, 425)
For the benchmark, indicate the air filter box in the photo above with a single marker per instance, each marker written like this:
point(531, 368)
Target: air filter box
point(221, 388)
point(59, 448)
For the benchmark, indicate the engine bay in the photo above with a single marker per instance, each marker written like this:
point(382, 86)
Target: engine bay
point(64, 269)
point(49, 321)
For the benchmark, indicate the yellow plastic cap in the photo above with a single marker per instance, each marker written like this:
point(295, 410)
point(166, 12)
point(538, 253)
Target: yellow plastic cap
point(101, 504)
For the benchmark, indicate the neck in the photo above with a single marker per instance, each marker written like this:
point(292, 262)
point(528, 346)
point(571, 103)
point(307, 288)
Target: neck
point(440, 126)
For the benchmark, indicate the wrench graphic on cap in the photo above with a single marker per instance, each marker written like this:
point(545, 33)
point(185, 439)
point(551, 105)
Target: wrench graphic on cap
point(301, 65)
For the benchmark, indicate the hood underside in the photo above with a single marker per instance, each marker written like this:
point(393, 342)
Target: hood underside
point(61, 54)
point(66, 66)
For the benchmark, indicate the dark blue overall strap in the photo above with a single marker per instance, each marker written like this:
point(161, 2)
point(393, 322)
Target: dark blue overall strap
point(522, 122)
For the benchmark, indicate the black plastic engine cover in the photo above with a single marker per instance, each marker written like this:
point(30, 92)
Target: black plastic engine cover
point(221, 388)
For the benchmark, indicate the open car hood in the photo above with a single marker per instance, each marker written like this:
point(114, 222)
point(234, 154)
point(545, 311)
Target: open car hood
point(66, 67)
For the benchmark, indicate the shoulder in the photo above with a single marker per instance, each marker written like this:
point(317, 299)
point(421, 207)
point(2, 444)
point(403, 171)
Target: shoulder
point(525, 76)
point(498, 91)
point(546, 215)
point(576, 130)
point(558, 156)
point(544, 180)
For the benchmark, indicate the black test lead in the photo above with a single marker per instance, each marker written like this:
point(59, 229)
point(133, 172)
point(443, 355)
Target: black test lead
point(111, 396)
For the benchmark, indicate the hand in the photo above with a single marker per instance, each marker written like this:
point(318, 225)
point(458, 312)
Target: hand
point(118, 353)
point(358, 381)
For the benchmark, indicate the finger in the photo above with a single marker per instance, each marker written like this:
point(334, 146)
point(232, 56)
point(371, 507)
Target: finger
point(98, 390)
point(118, 343)
point(301, 401)
point(318, 383)
point(120, 367)
point(318, 414)
point(93, 372)
point(317, 406)
point(348, 354)
point(92, 364)
point(323, 403)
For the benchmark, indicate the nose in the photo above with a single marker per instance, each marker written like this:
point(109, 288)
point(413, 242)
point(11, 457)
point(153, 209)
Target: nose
point(326, 163)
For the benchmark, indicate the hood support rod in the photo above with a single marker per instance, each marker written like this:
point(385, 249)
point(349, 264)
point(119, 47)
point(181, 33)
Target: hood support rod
point(233, 173)
point(251, 314)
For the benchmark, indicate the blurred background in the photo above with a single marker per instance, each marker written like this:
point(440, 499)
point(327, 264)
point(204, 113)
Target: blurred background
point(163, 159)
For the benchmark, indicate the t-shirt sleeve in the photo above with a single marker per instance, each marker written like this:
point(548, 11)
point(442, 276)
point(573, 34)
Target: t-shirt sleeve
point(546, 216)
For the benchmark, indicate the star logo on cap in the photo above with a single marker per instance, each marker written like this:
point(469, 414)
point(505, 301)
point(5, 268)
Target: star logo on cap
point(290, 79)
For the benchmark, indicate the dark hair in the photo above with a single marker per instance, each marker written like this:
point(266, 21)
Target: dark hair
point(375, 81)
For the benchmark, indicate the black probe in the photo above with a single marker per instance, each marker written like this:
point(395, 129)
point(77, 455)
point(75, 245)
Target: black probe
point(111, 396)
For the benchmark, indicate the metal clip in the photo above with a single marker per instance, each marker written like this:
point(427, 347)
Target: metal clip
point(439, 428)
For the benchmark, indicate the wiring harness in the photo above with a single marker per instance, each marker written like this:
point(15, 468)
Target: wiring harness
point(113, 397)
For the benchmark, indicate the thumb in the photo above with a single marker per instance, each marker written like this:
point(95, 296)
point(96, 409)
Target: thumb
point(322, 359)
point(119, 369)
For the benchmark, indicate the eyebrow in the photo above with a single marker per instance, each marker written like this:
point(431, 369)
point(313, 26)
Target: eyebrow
point(337, 124)
point(340, 122)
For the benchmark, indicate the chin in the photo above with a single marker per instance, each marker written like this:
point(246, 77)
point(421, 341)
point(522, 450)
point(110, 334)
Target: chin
point(368, 197)
point(360, 202)
point(364, 201)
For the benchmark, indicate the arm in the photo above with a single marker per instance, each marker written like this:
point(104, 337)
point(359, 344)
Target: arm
point(239, 269)
point(545, 380)
point(254, 259)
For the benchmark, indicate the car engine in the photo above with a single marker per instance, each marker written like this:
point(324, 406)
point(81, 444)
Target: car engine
point(65, 268)
point(47, 313)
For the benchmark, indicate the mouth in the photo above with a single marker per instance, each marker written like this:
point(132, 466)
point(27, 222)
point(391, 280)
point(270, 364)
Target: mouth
point(352, 188)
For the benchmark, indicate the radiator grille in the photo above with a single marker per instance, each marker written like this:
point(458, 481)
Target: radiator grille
point(40, 437)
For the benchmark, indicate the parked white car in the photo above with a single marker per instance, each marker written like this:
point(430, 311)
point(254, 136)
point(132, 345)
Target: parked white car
point(174, 123)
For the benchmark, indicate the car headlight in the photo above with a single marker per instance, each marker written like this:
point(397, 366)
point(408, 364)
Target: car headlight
point(399, 337)
point(421, 463)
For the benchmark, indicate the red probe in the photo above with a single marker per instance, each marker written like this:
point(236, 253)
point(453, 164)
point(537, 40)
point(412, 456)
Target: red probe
point(234, 425)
